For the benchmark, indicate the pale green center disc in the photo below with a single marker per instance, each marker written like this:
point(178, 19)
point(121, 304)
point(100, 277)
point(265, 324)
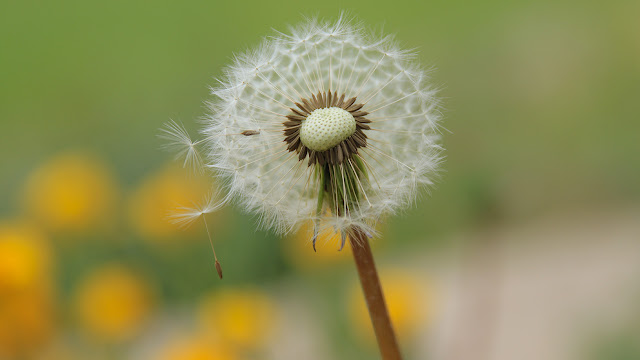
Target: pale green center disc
point(326, 128)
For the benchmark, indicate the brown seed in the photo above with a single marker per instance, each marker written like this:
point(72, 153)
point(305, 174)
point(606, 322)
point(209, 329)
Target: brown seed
point(363, 126)
point(359, 113)
point(348, 103)
point(321, 158)
point(292, 123)
point(250, 132)
point(360, 141)
point(320, 100)
point(291, 137)
point(219, 269)
point(294, 145)
point(298, 112)
point(312, 158)
point(351, 144)
point(308, 105)
point(355, 107)
point(303, 108)
point(345, 149)
point(303, 152)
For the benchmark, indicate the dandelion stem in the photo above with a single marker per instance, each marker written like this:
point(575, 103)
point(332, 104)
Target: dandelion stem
point(373, 295)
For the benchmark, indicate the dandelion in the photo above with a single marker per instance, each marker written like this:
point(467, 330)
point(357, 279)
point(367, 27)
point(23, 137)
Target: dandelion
point(156, 195)
point(296, 248)
point(113, 303)
point(72, 192)
point(244, 318)
point(26, 260)
point(411, 301)
point(325, 119)
point(196, 348)
point(27, 297)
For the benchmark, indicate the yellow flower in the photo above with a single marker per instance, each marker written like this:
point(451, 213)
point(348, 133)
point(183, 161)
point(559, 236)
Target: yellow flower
point(27, 313)
point(197, 349)
point(27, 322)
point(241, 317)
point(113, 303)
point(61, 350)
point(409, 299)
point(300, 252)
point(25, 258)
point(159, 195)
point(71, 192)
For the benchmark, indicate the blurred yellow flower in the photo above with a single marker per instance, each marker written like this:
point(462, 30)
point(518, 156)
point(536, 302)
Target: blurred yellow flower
point(241, 317)
point(197, 349)
point(299, 250)
point(113, 303)
point(27, 314)
point(410, 301)
point(61, 350)
point(159, 195)
point(27, 322)
point(71, 192)
point(25, 258)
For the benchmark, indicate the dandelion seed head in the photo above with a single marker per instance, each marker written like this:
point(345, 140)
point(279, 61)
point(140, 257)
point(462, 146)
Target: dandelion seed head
point(323, 117)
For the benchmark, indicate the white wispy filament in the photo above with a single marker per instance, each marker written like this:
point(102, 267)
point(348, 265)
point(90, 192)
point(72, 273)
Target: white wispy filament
point(244, 144)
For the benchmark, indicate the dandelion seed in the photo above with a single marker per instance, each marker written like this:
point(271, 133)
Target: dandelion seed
point(186, 216)
point(178, 140)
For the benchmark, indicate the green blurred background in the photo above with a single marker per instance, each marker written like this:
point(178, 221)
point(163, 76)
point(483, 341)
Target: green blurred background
point(539, 203)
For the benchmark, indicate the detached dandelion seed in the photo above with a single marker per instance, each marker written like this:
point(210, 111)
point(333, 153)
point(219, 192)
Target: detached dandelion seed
point(327, 124)
point(186, 216)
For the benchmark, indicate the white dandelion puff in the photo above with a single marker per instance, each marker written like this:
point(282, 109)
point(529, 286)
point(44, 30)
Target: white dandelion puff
point(323, 119)
point(328, 124)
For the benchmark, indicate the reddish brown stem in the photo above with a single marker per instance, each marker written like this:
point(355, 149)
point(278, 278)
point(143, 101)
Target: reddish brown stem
point(374, 296)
